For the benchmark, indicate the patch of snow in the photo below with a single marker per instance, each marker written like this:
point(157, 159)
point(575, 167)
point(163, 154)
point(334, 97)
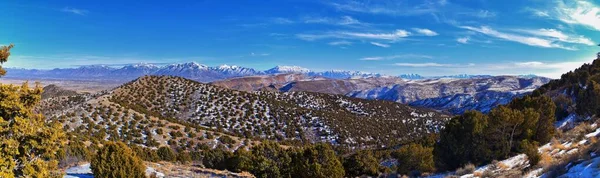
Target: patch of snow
point(587, 168)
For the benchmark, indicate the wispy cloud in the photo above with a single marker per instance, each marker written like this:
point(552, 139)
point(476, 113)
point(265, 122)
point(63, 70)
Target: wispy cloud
point(424, 31)
point(528, 40)
point(389, 7)
point(560, 36)
point(485, 14)
point(463, 40)
point(394, 36)
point(259, 54)
point(379, 36)
point(75, 11)
point(380, 44)
point(582, 12)
point(281, 20)
point(427, 64)
point(344, 20)
point(402, 56)
point(340, 43)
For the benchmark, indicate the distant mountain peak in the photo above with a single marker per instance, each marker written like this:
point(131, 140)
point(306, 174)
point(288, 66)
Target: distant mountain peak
point(287, 69)
point(142, 65)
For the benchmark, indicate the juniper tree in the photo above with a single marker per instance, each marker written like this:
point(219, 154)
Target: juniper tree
point(28, 143)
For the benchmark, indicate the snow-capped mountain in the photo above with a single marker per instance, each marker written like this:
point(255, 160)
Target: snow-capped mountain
point(455, 95)
point(190, 70)
point(459, 76)
point(411, 76)
point(342, 74)
point(287, 69)
point(135, 70)
point(236, 70)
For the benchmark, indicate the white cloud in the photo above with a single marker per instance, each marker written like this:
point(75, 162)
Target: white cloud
point(340, 43)
point(75, 11)
point(397, 35)
point(560, 36)
point(424, 31)
point(528, 40)
point(402, 56)
point(259, 54)
point(392, 7)
point(546, 69)
point(344, 20)
point(581, 12)
point(280, 20)
point(372, 59)
point(380, 44)
point(379, 36)
point(485, 14)
point(463, 40)
point(428, 64)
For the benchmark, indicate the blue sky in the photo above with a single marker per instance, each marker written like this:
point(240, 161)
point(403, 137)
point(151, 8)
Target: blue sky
point(433, 37)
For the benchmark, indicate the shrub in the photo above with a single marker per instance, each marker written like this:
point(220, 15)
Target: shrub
point(361, 163)
point(531, 150)
point(117, 160)
point(166, 154)
point(414, 157)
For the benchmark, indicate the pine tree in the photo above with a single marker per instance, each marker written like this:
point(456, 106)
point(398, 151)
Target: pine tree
point(414, 158)
point(28, 143)
point(115, 159)
point(362, 163)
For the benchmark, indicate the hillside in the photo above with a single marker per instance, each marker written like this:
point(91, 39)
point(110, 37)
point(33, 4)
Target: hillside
point(56, 91)
point(291, 116)
point(455, 95)
point(184, 110)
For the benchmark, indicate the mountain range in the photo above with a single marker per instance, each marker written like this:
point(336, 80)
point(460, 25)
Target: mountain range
point(197, 72)
point(190, 70)
point(455, 95)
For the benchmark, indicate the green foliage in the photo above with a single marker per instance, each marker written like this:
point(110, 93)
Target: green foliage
point(414, 158)
point(317, 161)
point(531, 150)
point(462, 141)
point(361, 163)
point(166, 154)
point(115, 159)
point(269, 159)
point(28, 144)
point(477, 138)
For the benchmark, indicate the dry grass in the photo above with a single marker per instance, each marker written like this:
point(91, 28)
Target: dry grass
point(557, 145)
point(467, 169)
point(502, 166)
point(546, 159)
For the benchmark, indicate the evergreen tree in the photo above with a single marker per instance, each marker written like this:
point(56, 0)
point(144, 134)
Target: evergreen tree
point(362, 163)
point(166, 154)
point(317, 161)
point(414, 158)
point(28, 143)
point(115, 159)
point(462, 141)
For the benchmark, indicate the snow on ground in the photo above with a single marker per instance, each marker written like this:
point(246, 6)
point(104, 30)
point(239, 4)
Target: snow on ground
point(566, 121)
point(84, 171)
point(588, 168)
point(80, 169)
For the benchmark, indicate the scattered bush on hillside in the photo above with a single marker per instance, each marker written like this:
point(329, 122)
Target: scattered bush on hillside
point(115, 159)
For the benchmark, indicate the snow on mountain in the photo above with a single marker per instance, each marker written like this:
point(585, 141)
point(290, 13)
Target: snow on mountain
point(136, 70)
point(411, 76)
point(287, 69)
point(236, 71)
point(455, 95)
point(342, 74)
